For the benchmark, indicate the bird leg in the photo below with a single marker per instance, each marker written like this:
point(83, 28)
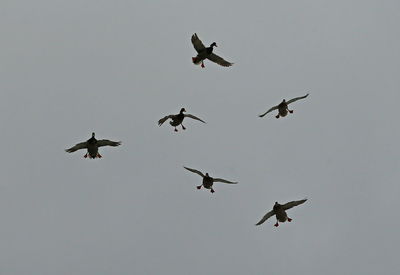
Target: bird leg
point(212, 190)
point(289, 219)
point(202, 64)
point(86, 155)
point(183, 127)
point(198, 187)
point(176, 130)
point(277, 224)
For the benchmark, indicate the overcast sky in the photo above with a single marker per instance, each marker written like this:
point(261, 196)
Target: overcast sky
point(70, 68)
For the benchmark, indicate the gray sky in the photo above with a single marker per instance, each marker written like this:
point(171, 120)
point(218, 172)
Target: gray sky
point(115, 67)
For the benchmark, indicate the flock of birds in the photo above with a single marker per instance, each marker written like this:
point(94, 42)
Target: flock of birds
point(279, 210)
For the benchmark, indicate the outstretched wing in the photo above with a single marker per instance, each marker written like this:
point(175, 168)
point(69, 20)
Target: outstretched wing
point(197, 44)
point(219, 60)
point(296, 98)
point(194, 117)
point(270, 110)
point(194, 171)
point(164, 119)
point(266, 217)
point(106, 142)
point(222, 180)
point(291, 204)
point(82, 145)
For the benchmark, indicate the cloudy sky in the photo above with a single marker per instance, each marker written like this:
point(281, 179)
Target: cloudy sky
point(69, 68)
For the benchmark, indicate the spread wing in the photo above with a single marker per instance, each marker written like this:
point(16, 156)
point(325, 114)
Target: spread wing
point(270, 110)
point(164, 119)
point(222, 180)
point(197, 44)
point(194, 117)
point(106, 142)
point(219, 60)
point(296, 98)
point(291, 204)
point(79, 146)
point(194, 171)
point(266, 217)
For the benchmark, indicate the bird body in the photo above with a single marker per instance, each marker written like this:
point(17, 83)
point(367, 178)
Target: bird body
point(283, 109)
point(208, 181)
point(177, 119)
point(280, 213)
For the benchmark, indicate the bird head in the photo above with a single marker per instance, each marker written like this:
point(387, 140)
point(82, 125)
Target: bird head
point(213, 44)
point(183, 110)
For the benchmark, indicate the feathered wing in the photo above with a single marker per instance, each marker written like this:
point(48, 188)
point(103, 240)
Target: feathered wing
point(106, 142)
point(266, 217)
point(291, 204)
point(79, 146)
point(194, 171)
point(219, 60)
point(295, 99)
point(164, 119)
point(270, 110)
point(197, 44)
point(194, 117)
point(222, 180)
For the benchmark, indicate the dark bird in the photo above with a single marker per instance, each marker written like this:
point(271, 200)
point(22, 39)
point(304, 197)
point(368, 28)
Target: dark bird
point(207, 180)
point(92, 145)
point(206, 53)
point(279, 210)
point(177, 119)
point(283, 107)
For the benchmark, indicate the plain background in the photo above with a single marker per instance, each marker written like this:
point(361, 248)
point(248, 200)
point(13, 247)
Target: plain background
point(69, 68)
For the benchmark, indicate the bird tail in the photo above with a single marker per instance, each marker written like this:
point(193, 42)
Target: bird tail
point(196, 60)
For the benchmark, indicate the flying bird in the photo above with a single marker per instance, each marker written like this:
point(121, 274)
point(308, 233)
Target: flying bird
point(206, 53)
point(177, 119)
point(92, 145)
point(283, 107)
point(279, 210)
point(207, 180)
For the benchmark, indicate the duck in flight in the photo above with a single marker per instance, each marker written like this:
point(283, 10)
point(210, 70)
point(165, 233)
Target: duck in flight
point(279, 210)
point(204, 52)
point(207, 180)
point(92, 145)
point(283, 108)
point(177, 119)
